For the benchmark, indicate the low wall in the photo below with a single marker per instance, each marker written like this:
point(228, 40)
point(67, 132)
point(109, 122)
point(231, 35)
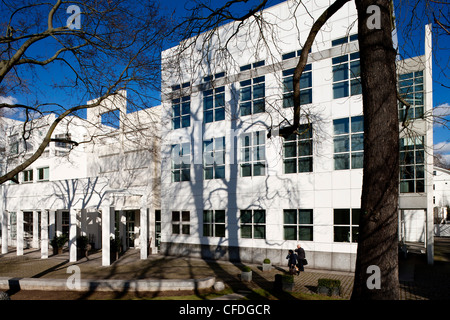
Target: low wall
point(144, 285)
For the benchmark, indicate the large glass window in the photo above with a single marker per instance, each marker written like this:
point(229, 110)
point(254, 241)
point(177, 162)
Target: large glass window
point(412, 165)
point(298, 224)
point(410, 87)
point(28, 175)
point(346, 75)
point(181, 162)
point(181, 222)
point(346, 225)
point(298, 150)
point(214, 223)
point(181, 112)
point(43, 174)
point(305, 87)
point(252, 93)
point(253, 224)
point(348, 143)
point(253, 154)
point(214, 105)
point(214, 158)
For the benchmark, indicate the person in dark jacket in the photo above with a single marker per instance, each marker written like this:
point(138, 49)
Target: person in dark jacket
point(292, 261)
point(300, 257)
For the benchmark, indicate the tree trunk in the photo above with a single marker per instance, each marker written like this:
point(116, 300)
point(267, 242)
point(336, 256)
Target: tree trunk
point(378, 227)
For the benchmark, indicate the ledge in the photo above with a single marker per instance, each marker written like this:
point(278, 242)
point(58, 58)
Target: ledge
point(145, 285)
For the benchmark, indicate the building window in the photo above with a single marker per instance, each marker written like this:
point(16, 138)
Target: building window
point(253, 65)
point(252, 154)
point(214, 223)
point(158, 229)
point(27, 225)
point(293, 54)
point(214, 105)
point(214, 76)
point(65, 145)
point(298, 224)
point(181, 112)
point(348, 143)
point(181, 162)
point(214, 158)
point(412, 165)
point(65, 222)
point(410, 87)
point(253, 224)
point(346, 75)
point(346, 225)
point(181, 222)
point(346, 39)
point(305, 87)
point(28, 175)
point(252, 93)
point(298, 150)
point(43, 174)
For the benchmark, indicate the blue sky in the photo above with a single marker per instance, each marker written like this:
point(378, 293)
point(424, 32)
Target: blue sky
point(412, 45)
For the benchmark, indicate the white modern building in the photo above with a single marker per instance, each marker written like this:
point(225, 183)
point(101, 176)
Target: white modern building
point(229, 190)
point(101, 186)
point(201, 175)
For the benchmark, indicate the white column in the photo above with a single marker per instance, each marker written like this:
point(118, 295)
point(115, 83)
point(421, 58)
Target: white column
point(4, 219)
point(35, 242)
point(428, 77)
point(106, 233)
point(144, 229)
point(44, 234)
point(4, 231)
point(73, 234)
point(19, 235)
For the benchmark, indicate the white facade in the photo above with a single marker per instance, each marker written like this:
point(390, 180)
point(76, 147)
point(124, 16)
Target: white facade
point(441, 201)
point(326, 196)
point(103, 187)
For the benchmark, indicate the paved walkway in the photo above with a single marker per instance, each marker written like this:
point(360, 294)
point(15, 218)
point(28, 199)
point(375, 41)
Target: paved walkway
point(418, 280)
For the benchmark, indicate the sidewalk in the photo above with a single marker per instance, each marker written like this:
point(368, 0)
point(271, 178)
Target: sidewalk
point(418, 281)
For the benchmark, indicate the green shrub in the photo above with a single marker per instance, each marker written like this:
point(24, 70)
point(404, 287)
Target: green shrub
point(266, 261)
point(246, 269)
point(287, 278)
point(329, 283)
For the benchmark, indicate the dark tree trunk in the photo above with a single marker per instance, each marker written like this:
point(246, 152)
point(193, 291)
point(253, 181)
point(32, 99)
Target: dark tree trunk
point(378, 228)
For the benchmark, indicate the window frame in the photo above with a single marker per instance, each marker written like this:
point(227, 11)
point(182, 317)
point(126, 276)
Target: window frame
point(210, 227)
point(254, 104)
point(288, 86)
point(351, 225)
point(349, 139)
point(27, 176)
point(215, 97)
point(210, 157)
point(306, 136)
point(181, 110)
point(411, 88)
point(417, 165)
point(178, 164)
point(251, 150)
point(43, 173)
point(252, 224)
point(181, 223)
point(344, 76)
point(296, 225)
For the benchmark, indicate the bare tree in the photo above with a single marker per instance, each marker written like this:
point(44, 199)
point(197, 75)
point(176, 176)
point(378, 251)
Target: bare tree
point(92, 50)
point(378, 234)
